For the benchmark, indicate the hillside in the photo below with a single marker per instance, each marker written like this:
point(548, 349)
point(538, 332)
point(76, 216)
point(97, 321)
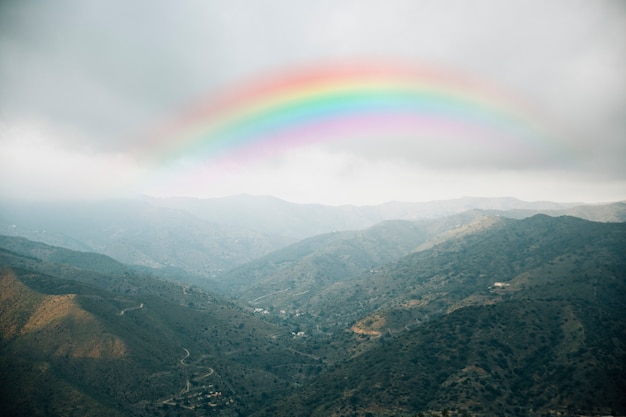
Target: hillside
point(76, 339)
point(517, 318)
point(516, 358)
point(463, 268)
point(337, 279)
point(288, 279)
point(322, 260)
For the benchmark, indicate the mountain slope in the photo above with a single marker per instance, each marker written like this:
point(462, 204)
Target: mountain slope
point(341, 278)
point(531, 357)
point(463, 269)
point(549, 339)
point(290, 278)
point(127, 344)
point(322, 260)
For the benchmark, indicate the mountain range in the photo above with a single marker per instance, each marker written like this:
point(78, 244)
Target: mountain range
point(474, 312)
point(196, 240)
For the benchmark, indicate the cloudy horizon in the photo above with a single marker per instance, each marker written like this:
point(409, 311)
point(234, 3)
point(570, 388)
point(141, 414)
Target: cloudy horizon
point(82, 82)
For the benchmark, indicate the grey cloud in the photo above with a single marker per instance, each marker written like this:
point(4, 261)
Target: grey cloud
point(112, 68)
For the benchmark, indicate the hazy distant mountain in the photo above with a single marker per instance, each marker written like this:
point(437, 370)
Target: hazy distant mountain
point(611, 212)
point(274, 216)
point(614, 212)
point(139, 233)
point(204, 237)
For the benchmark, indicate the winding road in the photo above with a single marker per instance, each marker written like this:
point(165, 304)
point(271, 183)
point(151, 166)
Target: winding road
point(187, 354)
point(121, 313)
point(192, 386)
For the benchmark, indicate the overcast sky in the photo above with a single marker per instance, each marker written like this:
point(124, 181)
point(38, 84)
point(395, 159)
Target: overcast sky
point(81, 81)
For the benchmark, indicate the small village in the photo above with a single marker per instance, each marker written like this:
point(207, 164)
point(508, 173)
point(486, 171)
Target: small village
point(201, 390)
point(204, 397)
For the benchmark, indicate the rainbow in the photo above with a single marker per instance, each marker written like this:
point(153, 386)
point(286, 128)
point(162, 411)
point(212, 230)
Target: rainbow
point(362, 102)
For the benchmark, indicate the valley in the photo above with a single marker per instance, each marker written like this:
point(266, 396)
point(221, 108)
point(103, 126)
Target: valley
point(476, 312)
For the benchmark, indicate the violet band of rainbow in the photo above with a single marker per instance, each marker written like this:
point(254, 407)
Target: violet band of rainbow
point(373, 102)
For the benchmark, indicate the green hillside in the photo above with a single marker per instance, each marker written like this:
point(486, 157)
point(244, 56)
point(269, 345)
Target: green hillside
point(322, 260)
point(515, 358)
point(76, 339)
point(292, 278)
point(434, 331)
point(463, 268)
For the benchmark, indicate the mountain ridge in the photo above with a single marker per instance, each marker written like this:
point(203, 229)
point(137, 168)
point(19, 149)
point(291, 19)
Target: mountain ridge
point(475, 313)
point(195, 240)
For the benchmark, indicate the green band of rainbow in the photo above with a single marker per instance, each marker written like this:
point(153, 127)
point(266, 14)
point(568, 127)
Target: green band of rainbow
point(368, 101)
